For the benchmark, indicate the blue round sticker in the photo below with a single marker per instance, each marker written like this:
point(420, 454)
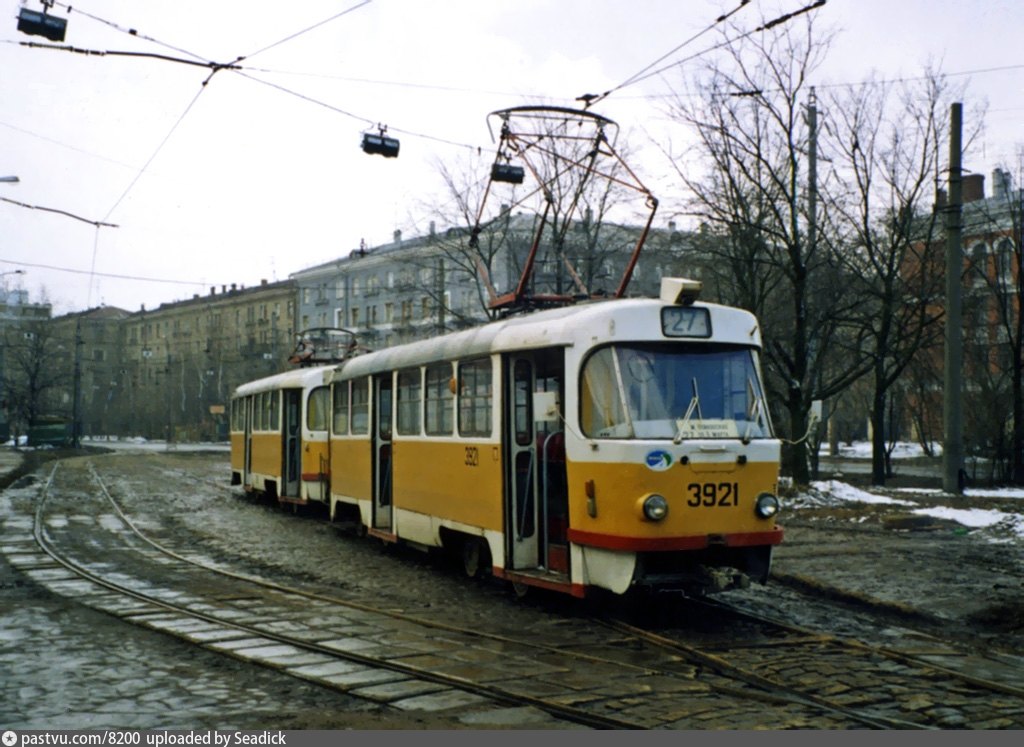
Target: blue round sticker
point(658, 460)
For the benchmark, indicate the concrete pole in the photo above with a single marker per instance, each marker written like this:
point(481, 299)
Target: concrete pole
point(953, 443)
point(76, 402)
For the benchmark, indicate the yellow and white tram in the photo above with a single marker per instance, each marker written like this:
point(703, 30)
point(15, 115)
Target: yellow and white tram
point(279, 429)
point(612, 445)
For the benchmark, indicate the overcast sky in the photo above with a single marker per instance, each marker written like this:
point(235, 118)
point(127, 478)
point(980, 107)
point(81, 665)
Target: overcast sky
point(240, 180)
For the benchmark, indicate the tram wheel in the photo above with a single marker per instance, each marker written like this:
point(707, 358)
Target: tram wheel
point(520, 590)
point(475, 557)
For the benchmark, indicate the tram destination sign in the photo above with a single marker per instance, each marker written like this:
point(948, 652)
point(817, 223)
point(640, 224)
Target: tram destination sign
point(685, 321)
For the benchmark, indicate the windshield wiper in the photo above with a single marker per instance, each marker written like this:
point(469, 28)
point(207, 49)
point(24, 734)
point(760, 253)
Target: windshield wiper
point(756, 412)
point(694, 406)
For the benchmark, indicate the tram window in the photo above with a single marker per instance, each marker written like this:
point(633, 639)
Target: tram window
point(360, 406)
point(257, 412)
point(673, 391)
point(600, 402)
point(475, 393)
point(341, 408)
point(237, 408)
point(522, 402)
point(439, 400)
point(273, 411)
point(409, 387)
point(317, 409)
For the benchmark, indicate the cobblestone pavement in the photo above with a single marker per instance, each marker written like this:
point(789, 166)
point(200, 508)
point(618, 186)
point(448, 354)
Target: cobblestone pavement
point(74, 667)
point(65, 666)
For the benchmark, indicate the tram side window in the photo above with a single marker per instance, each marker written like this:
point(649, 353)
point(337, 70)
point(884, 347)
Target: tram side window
point(601, 410)
point(341, 408)
point(409, 387)
point(360, 406)
point(317, 409)
point(270, 411)
point(274, 410)
point(439, 400)
point(238, 414)
point(475, 393)
point(257, 412)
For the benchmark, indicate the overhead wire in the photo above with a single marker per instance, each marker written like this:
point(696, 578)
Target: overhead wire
point(127, 30)
point(160, 147)
point(96, 223)
point(721, 19)
point(732, 40)
point(92, 272)
point(647, 71)
point(357, 117)
point(198, 61)
point(306, 30)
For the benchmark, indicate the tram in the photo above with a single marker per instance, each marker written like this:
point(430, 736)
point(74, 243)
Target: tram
point(607, 445)
point(578, 442)
point(279, 436)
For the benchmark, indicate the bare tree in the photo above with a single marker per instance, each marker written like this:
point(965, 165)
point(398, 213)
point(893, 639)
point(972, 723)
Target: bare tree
point(753, 140)
point(37, 370)
point(456, 256)
point(994, 325)
point(885, 144)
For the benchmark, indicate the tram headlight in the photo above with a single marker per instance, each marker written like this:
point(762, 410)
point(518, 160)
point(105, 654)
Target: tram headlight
point(655, 507)
point(766, 505)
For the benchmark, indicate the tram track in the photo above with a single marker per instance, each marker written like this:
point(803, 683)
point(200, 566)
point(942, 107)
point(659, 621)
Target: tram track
point(573, 715)
point(747, 662)
point(537, 651)
point(731, 682)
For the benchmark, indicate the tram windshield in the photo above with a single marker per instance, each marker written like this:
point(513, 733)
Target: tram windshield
point(673, 391)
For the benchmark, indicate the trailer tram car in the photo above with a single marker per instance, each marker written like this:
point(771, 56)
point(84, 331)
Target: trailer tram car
point(279, 436)
point(615, 445)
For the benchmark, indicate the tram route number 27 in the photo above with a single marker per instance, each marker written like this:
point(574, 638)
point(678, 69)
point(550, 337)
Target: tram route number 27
point(713, 494)
point(472, 456)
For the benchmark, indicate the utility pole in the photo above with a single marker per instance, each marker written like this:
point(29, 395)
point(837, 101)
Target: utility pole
point(76, 411)
point(812, 217)
point(952, 420)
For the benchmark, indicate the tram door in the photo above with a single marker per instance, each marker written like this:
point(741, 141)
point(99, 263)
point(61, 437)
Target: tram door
point(246, 405)
point(521, 507)
point(292, 425)
point(536, 508)
point(382, 416)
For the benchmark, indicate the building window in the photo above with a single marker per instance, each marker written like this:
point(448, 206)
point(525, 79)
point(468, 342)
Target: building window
point(355, 317)
point(1005, 258)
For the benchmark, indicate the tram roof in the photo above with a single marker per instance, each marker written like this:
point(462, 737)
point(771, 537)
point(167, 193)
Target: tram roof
point(299, 378)
point(560, 327)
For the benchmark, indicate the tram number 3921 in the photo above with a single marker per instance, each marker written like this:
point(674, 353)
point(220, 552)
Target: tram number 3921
point(713, 494)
